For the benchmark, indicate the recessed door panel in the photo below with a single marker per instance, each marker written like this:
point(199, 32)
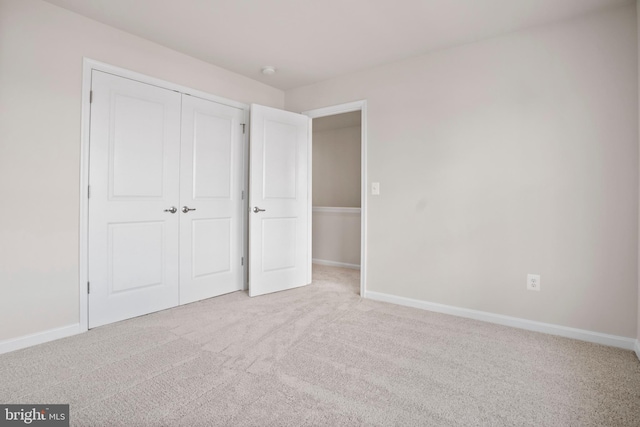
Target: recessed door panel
point(136, 142)
point(211, 189)
point(281, 234)
point(212, 155)
point(280, 160)
point(134, 176)
point(211, 239)
point(135, 256)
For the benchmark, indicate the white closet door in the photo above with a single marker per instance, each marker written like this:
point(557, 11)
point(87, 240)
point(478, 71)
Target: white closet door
point(133, 178)
point(210, 199)
point(280, 210)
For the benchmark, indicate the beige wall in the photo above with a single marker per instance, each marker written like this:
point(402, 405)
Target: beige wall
point(513, 155)
point(336, 183)
point(41, 51)
point(336, 237)
point(336, 167)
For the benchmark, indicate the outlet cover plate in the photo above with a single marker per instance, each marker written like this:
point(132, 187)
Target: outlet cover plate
point(533, 282)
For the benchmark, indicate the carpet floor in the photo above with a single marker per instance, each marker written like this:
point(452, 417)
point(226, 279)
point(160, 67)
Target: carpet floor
point(322, 356)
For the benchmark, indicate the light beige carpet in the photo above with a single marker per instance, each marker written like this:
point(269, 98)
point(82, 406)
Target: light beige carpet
point(322, 356)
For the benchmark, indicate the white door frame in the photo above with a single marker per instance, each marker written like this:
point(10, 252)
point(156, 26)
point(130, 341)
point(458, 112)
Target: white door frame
point(348, 108)
point(88, 65)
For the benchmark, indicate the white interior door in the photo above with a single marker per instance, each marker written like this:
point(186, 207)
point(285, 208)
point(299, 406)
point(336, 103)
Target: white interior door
point(133, 178)
point(279, 221)
point(210, 199)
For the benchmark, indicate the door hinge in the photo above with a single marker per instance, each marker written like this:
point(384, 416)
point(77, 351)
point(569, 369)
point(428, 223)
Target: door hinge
point(242, 261)
point(242, 194)
point(88, 191)
point(243, 125)
point(90, 96)
point(88, 287)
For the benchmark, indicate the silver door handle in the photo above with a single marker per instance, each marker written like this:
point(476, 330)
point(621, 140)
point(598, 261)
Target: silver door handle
point(257, 209)
point(186, 209)
point(173, 209)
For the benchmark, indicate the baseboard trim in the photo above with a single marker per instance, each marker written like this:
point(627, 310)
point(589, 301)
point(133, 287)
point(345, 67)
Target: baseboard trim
point(18, 343)
point(515, 322)
point(335, 264)
point(638, 349)
point(336, 210)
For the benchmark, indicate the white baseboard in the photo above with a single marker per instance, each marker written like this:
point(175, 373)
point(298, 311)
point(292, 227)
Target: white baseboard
point(530, 325)
point(338, 210)
point(38, 338)
point(638, 349)
point(335, 264)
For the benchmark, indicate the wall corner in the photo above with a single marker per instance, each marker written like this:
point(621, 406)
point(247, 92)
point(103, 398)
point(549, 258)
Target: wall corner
point(638, 123)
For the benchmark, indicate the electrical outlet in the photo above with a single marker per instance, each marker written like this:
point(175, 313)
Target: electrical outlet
point(533, 282)
point(375, 188)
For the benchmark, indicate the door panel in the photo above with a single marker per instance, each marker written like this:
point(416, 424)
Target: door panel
point(213, 145)
point(127, 269)
point(134, 173)
point(280, 231)
point(212, 183)
point(279, 175)
point(132, 145)
point(280, 147)
point(211, 246)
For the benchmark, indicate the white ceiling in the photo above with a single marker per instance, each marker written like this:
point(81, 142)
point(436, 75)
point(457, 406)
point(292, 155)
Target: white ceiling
point(314, 40)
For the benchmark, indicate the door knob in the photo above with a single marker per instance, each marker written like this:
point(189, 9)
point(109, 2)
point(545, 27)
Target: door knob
point(186, 209)
point(257, 209)
point(172, 209)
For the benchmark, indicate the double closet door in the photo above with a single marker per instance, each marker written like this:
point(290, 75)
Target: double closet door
point(166, 199)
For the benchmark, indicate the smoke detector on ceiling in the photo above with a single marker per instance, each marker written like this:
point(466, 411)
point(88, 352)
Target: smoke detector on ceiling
point(268, 70)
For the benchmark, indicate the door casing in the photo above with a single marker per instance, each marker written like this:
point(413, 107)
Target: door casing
point(348, 108)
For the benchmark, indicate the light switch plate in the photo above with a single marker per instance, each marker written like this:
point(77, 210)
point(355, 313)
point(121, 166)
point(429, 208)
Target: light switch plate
point(375, 188)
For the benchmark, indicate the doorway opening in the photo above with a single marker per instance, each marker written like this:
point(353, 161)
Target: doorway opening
point(339, 187)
